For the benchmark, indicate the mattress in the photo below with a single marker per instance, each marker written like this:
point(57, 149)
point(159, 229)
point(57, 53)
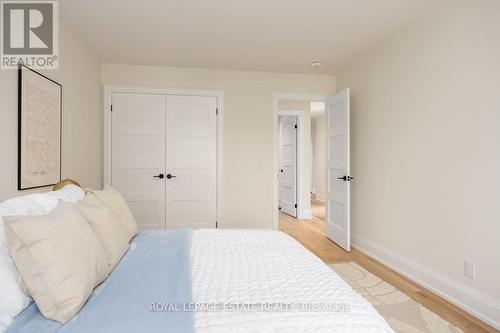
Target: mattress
point(222, 281)
point(265, 281)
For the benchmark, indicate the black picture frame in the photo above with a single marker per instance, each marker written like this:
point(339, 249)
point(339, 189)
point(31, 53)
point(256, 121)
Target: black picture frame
point(23, 183)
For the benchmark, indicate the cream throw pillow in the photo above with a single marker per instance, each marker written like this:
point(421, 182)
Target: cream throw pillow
point(106, 228)
point(115, 202)
point(59, 258)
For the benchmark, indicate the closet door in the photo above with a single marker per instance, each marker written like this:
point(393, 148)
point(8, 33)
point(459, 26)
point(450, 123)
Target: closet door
point(191, 132)
point(138, 155)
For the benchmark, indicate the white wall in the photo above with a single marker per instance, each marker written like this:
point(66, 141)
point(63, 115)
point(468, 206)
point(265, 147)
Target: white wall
point(426, 150)
point(248, 141)
point(319, 156)
point(79, 74)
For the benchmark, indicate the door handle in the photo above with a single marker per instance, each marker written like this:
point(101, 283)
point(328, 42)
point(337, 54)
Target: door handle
point(161, 176)
point(346, 178)
point(170, 176)
point(342, 178)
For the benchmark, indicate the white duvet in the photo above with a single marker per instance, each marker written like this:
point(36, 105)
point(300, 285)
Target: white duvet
point(262, 269)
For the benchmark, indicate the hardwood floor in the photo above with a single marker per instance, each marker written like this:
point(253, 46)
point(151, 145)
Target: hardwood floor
point(312, 235)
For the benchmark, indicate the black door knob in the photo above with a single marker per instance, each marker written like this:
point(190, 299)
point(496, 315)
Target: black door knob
point(161, 176)
point(346, 178)
point(170, 176)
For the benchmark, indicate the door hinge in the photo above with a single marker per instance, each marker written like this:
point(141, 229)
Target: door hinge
point(295, 205)
point(295, 125)
point(217, 111)
point(111, 107)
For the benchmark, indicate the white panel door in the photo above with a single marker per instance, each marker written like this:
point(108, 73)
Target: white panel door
point(288, 165)
point(191, 161)
point(338, 227)
point(138, 155)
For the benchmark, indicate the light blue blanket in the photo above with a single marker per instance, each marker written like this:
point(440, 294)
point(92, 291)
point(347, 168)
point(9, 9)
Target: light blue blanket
point(156, 269)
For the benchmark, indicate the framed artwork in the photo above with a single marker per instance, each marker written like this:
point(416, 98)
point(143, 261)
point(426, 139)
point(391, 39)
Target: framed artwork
point(40, 130)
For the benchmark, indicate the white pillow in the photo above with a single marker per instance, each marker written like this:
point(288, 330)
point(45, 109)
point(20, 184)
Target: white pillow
point(69, 193)
point(117, 204)
point(106, 227)
point(14, 295)
point(59, 257)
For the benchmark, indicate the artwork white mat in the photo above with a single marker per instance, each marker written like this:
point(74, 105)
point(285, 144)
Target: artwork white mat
point(39, 130)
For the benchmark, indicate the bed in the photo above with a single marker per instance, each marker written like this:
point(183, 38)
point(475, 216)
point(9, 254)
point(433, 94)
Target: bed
point(217, 281)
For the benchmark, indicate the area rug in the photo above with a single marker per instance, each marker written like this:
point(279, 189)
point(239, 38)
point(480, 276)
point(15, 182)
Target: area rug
point(401, 312)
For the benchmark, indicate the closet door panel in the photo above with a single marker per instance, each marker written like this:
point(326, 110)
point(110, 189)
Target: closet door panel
point(138, 155)
point(191, 160)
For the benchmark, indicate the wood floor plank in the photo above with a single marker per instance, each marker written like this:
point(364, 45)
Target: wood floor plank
point(311, 234)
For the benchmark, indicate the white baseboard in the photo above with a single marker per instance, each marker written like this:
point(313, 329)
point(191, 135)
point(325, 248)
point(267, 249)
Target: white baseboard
point(319, 197)
point(306, 214)
point(470, 300)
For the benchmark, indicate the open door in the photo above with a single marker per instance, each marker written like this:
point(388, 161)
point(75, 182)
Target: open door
point(288, 165)
point(338, 178)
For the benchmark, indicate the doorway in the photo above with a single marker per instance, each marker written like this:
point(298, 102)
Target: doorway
point(324, 197)
point(295, 114)
point(318, 172)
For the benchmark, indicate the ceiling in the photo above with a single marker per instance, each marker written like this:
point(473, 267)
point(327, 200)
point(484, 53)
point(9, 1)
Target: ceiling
point(257, 35)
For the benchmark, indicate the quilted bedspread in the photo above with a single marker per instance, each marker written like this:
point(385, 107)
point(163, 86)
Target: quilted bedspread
point(223, 281)
point(265, 281)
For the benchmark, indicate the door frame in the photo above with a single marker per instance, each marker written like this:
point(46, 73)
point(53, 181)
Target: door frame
point(106, 132)
point(277, 97)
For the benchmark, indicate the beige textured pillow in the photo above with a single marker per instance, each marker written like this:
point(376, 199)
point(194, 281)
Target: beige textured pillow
point(106, 228)
point(115, 202)
point(59, 258)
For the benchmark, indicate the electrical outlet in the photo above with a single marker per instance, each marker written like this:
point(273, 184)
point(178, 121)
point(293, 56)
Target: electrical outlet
point(468, 270)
